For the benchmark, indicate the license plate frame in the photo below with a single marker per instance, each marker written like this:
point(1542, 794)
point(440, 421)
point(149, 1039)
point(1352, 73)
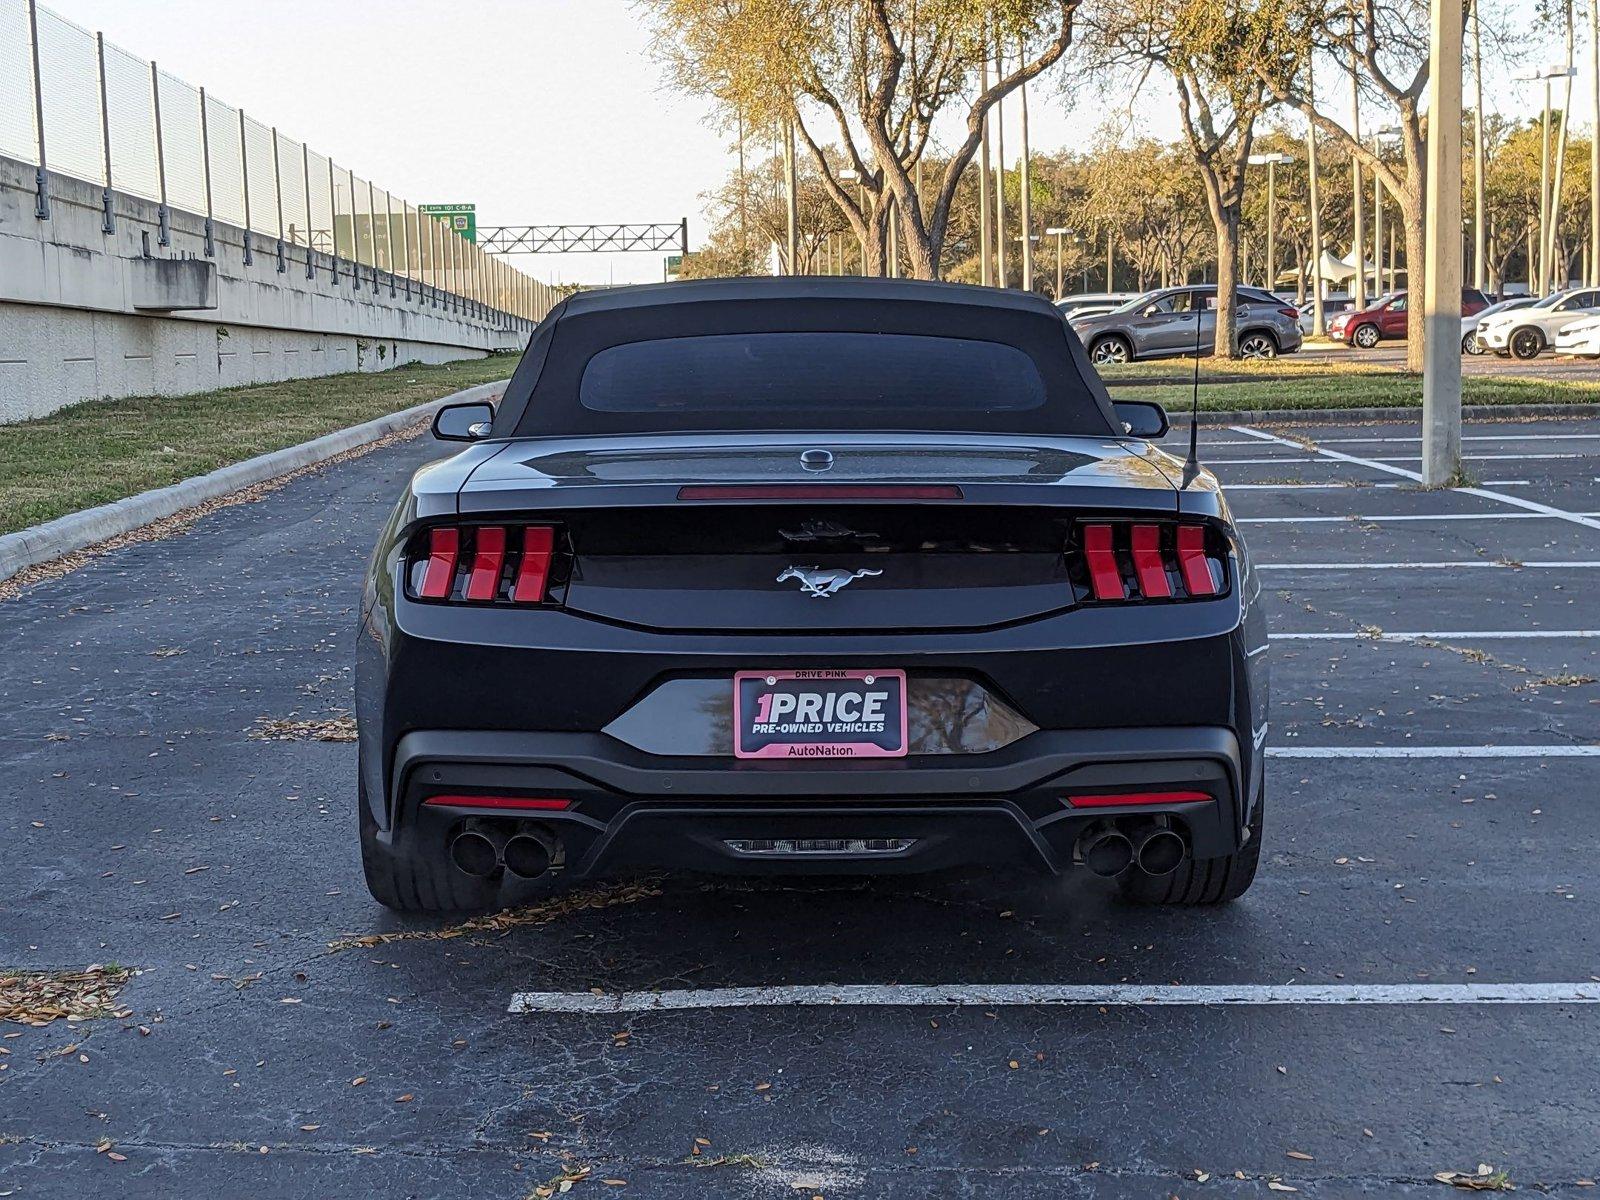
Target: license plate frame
point(836, 736)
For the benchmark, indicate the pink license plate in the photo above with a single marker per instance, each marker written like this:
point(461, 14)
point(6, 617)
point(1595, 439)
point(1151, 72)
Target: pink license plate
point(819, 714)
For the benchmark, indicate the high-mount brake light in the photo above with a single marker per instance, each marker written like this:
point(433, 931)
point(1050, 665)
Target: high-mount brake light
point(483, 564)
point(1168, 561)
point(820, 491)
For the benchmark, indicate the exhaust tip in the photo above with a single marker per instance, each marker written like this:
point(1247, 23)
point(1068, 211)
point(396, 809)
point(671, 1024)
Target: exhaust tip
point(526, 856)
point(1160, 852)
point(1108, 853)
point(474, 853)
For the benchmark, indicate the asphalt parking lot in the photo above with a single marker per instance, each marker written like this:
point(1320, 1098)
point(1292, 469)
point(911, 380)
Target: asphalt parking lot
point(1436, 771)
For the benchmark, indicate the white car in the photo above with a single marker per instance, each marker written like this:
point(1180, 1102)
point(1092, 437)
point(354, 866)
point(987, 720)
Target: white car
point(1580, 339)
point(1525, 332)
point(1470, 344)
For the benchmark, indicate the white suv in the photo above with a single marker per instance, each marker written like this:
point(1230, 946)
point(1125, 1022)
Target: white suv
point(1525, 332)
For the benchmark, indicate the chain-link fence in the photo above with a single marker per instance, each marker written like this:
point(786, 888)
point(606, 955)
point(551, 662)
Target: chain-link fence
point(74, 104)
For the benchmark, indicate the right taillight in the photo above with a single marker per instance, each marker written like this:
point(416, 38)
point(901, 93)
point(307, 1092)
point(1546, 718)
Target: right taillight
point(1149, 560)
point(483, 564)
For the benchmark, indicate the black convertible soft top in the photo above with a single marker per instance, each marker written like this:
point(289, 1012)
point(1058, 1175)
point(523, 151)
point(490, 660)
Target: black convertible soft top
point(804, 353)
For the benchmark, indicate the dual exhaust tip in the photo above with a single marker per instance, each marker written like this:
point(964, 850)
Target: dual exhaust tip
point(1155, 849)
point(481, 850)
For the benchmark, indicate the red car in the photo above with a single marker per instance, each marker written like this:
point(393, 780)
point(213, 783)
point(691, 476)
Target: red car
point(1385, 317)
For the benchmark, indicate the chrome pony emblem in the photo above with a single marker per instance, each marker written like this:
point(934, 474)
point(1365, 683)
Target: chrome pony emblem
point(816, 582)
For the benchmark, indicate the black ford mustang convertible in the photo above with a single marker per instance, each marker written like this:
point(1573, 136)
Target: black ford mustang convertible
point(815, 575)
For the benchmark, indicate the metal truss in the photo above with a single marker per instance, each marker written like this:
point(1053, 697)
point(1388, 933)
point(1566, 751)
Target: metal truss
point(569, 239)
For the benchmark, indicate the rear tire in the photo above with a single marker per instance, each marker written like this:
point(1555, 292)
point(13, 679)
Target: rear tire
point(431, 885)
point(1111, 351)
point(1258, 344)
point(1198, 880)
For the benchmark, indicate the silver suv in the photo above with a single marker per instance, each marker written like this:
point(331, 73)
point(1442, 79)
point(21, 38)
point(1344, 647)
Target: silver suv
point(1162, 324)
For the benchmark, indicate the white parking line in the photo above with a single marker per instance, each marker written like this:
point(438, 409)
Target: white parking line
point(1471, 437)
point(1309, 459)
point(993, 995)
point(1340, 487)
point(1558, 751)
point(1446, 635)
point(1514, 501)
point(1380, 518)
point(1423, 566)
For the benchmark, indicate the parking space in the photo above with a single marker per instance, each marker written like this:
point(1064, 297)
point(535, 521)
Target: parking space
point(1410, 988)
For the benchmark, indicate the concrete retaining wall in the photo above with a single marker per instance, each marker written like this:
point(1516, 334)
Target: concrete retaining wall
point(86, 314)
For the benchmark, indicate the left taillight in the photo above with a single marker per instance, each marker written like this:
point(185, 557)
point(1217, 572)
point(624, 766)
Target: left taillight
point(482, 564)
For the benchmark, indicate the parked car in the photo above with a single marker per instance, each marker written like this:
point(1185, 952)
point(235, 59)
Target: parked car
point(785, 575)
point(1087, 304)
point(1332, 306)
point(1580, 339)
point(1162, 323)
point(1526, 332)
point(1470, 325)
point(1385, 317)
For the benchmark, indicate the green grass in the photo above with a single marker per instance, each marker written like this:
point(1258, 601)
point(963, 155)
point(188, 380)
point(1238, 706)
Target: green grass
point(1353, 389)
point(104, 450)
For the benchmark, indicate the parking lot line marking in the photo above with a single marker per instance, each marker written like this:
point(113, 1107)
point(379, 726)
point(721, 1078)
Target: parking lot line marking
point(1438, 635)
point(1309, 458)
point(1332, 487)
point(1373, 464)
point(1423, 566)
point(1559, 751)
point(1471, 437)
point(993, 995)
point(1472, 516)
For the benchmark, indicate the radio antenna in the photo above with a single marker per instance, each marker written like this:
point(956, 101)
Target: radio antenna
point(1191, 465)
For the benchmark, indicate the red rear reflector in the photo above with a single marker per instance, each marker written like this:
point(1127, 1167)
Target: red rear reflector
point(821, 491)
point(488, 556)
point(533, 573)
point(1147, 565)
point(1104, 575)
point(547, 803)
point(1118, 798)
point(1192, 561)
point(443, 545)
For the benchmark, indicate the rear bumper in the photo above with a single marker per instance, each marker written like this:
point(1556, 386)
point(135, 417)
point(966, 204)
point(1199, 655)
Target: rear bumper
point(635, 811)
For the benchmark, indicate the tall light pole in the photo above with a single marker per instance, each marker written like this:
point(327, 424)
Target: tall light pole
point(1480, 231)
point(1358, 283)
point(851, 175)
point(1319, 317)
point(792, 206)
point(1271, 162)
point(1026, 214)
point(985, 248)
point(1441, 276)
point(1594, 147)
point(1058, 232)
point(1544, 75)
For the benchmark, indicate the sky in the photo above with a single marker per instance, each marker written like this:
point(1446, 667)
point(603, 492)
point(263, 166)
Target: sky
point(537, 111)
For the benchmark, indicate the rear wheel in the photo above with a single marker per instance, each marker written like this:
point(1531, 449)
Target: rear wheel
point(1527, 342)
point(417, 885)
point(1365, 336)
point(1257, 344)
point(1110, 350)
point(1199, 880)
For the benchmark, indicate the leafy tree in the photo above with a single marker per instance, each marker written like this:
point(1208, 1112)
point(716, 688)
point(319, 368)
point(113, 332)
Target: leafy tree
point(880, 72)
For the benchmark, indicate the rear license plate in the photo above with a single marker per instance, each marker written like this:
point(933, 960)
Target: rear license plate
point(819, 714)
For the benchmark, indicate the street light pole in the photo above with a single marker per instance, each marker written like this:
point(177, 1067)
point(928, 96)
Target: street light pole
point(1026, 213)
point(1441, 283)
point(1480, 232)
point(1358, 284)
point(1271, 161)
point(1059, 232)
point(1319, 320)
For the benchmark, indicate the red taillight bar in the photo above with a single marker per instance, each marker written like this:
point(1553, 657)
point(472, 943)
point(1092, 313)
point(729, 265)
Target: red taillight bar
point(533, 573)
point(444, 543)
point(1192, 561)
point(546, 803)
point(1147, 565)
point(1104, 575)
point(821, 491)
point(1114, 799)
point(488, 556)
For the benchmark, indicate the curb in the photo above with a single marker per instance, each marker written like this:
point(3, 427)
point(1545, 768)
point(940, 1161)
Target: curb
point(75, 531)
point(1350, 416)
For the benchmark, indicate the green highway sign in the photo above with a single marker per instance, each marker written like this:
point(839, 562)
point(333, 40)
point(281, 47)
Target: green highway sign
point(463, 218)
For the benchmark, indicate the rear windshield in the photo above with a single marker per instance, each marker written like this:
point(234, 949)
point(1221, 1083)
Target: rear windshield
point(821, 375)
point(875, 362)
